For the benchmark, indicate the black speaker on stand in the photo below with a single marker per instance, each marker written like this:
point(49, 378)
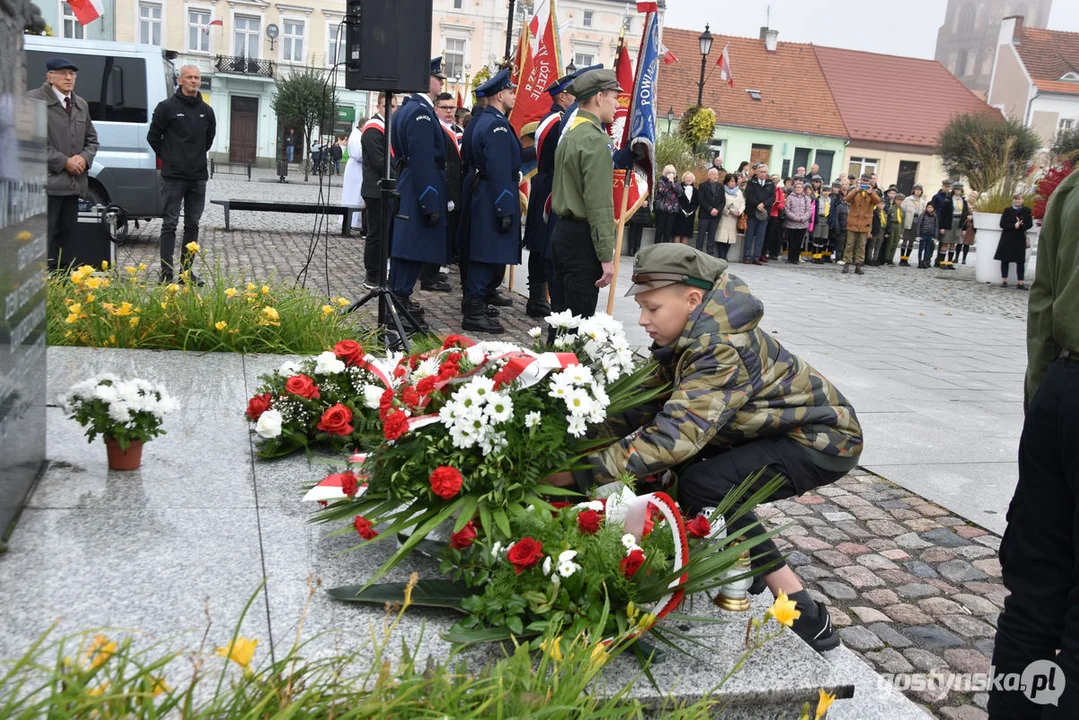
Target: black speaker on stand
point(386, 46)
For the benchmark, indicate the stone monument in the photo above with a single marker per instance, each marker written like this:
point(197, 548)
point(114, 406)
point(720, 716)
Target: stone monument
point(22, 268)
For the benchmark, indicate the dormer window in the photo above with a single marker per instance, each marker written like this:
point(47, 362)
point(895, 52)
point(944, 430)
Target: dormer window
point(1070, 76)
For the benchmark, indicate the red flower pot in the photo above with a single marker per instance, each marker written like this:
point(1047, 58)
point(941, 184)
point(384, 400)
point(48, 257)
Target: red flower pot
point(119, 459)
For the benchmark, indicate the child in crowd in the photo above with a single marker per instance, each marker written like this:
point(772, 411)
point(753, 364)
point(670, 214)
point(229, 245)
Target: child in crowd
point(927, 228)
point(876, 238)
point(820, 225)
point(837, 224)
point(913, 206)
point(894, 230)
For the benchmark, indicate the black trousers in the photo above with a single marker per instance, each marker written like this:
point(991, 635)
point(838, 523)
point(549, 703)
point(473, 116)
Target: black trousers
point(192, 194)
point(576, 269)
point(795, 238)
point(713, 475)
point(371, 250)
point(636, 232)
point(706, 233)
point(1040, 549)
point(774, 243)
point(664, 226)
point(63, 213)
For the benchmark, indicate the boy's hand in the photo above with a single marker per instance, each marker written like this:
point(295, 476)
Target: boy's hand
point(608, 274)
point(561, 479)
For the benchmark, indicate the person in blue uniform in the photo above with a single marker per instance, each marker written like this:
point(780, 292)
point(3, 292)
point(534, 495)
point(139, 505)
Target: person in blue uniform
point(495, 220)
point(419, 231)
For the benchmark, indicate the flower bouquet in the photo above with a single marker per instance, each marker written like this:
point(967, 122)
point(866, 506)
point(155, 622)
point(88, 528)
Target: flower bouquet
point(127, 413)
point(332, 398)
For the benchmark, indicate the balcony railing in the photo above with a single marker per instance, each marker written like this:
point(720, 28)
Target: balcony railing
point(244, 66)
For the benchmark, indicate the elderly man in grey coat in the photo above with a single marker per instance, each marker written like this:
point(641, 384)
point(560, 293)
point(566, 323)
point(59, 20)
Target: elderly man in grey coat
point(72, 145)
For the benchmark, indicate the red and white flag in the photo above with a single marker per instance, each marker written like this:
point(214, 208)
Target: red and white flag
point(669, 58)
point(86, 11)
point(215, 21)
point(645, 6)
point(724, 64)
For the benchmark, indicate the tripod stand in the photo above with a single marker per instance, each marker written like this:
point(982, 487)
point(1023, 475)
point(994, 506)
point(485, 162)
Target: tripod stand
point(389, 306)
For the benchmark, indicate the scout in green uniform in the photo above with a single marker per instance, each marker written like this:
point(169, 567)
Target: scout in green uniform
point(582, 245)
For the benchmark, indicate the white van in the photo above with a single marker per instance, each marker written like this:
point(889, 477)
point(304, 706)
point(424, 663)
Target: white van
point(122, 83)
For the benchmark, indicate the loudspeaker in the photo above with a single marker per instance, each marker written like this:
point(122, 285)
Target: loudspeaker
point(388, 44)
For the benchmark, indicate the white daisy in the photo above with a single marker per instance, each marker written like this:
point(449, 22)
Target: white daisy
point(547, 565)
point(499, 407)
point(564, 319)
point(532, 419)
point(577, 428)
point(535, 332)
point(629, 542)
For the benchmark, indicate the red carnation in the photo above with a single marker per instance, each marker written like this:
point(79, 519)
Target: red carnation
point(303, 386)
point(258, 405)
point(524, 554)
point(446, 481)
point(335, 420)
point(409, 396)
point(699, 527)
point(399, 371)
point(396, 425)
point(632, 563)
point(350, 351)
point(588, 522)
point(425, 386)
point(364, 528)
point(349, 483)
point(456, 341)
point(463, 537)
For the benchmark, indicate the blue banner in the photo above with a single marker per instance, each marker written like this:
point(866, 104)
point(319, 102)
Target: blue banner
point(642, 117)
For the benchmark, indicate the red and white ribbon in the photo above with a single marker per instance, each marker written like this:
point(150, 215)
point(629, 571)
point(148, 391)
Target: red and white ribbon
point(329, 488)
point(527, 368)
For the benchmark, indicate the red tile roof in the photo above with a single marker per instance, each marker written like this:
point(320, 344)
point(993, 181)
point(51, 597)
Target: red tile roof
point(1049, 55)
point(794, 96)
point(893, 99)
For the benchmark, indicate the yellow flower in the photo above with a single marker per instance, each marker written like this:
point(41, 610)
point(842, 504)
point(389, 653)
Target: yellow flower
point(343, 302)
point(131, 269)
point(221, 324)
point(631, 610)
point(72, 318)
point(270, 313)
point(599, 656)
point(251, 286)
point(185, 275)
point(646, 622)
point(74, 308)
point(783, 610)
point(327, 310)
point(99, 690)
point(172, 287)
point(104, 264)
point(134, 321)
point(825, 702)
point(142, 266)
point(93, 283)
point(265, 289)
point(160, 686)
point(164, 306)
point(554, 648)
point(100, 650)
point(90, 297)
point(192, 247)
point(241, 651)
point(230, 293)
point(124, 309)
point(24, 236)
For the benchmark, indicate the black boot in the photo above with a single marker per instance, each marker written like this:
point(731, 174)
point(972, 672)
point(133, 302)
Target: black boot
point(415, 312)
point(477, 321)
point(814, 625)
point(497, 299)
point(537, 305)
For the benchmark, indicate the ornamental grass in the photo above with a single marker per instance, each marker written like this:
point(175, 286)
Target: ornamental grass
point(126, 307)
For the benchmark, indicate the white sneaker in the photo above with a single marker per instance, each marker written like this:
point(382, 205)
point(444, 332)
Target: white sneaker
point(840, 262)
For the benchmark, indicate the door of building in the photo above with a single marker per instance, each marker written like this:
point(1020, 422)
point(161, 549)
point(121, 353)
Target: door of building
point(243, 132)
point(908, 171)
point(825, 158)
point(760, 154)
point(801, 159)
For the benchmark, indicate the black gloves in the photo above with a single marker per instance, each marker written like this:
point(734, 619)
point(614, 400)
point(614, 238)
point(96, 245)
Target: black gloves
point(432, 219)
point(505, 223)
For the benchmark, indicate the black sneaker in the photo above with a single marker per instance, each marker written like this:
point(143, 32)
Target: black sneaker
point(438, 286)
point(818, 632)
point(370, 282)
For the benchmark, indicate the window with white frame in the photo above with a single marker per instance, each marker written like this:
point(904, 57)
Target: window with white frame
point(1066, 126)
point(198, 30)
point(335, 43)
point(583, 59)
point(292, 32)
point(72, 27)
point(457, 4)
point(247, 36)
point(860, 165)
point(587, 17)
point(453, 57)
point(149, 23)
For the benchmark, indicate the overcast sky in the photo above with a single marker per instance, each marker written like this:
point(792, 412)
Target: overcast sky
point(894, 28)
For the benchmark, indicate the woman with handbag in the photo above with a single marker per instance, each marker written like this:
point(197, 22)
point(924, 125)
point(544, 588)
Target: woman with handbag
point(733, 216)
point(1012, 248)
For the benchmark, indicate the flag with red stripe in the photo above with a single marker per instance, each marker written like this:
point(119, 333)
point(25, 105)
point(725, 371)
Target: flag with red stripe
point(86, 11)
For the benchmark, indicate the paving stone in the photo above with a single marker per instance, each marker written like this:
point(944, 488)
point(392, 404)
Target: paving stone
point(920, 569)
point(830, 533)
point(853, 549)
point(876, 562)
point(922, 524)
point(827, 507)
point(923, 660)
point(836, 558)
point(981, 700)
point(968, 626)
point(808, 542)
point(944, 587)
point(853, 529)
point(917, 590)
point(881, 544)
point(963, 712)
point(859, 576)
point(860, 638)
point(938, 606)
point(839, 616)
point(895, 554)
point(960, 571)
point(796, 509)
point(975, 604)
point(812, 521)
point(944, 538)
point(990, 566)
point(814, 572)
point(911, 541)
point(905, 514)
point(933, 637)
point(870, 615)
point(793, 530)
point(766, 511)
point(796, 559)
point(990, 541)
point(897, 577)
point(969, 532)
point(885, 527)
point(972, 552)
point(890, 636)
point(881, 597)
point(930, 510)
point(868, 512)
point(893, 505)
point(889, 661)
point(851, 501)
point(838, 516)
point(830, 491)
point(837, 590)
point(782, 543)
point(809, 499)
point(818, 596)
point(950, 521)
point(967, 661)
point(937, 555)
point(985, 646)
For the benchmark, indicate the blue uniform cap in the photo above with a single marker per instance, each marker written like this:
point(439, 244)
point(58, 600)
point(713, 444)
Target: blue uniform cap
point(436, 68)
point(499, 82)
point(60, 64)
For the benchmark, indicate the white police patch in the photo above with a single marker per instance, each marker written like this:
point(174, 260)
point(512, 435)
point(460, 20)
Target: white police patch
point(500, 129)
point(423, 117)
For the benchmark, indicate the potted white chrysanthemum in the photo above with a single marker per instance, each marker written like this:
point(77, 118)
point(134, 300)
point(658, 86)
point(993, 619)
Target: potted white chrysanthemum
point(127, 413)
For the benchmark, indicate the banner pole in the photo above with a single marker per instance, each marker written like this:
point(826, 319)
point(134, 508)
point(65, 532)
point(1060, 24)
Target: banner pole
point(619, 232)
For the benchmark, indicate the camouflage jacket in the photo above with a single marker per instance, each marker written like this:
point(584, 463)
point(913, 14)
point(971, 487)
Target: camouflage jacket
point(731, 383)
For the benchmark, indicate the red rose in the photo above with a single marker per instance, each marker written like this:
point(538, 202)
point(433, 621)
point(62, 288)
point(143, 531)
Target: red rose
point(560, 504)
point(425, 386)
point(463, 537)
point(588, 522)
point(350, 351)
point(364, 528)
point(336, 420)
point(396, 425)
point(258, 405)
point(632, 563)
point(303, 386)
point(446, 481)
point(349, 483)
point(525, 553)
point(699, 527)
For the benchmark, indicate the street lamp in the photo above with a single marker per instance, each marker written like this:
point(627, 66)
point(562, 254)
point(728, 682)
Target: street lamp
point(705, 40)
point(670, 120)
point(571, 68)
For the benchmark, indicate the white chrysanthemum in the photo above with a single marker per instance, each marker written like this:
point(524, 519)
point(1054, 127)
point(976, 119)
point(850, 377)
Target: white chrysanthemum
point(289, 368)
point(547, 565)
point(269, 424)
point(577, 428)
point(561, 341)
point(328, 364)
point(578, 375)
point(462, 438)
point(567, 569)
point(482, 386)
point(594, 505)
point(499, 407)
point(106, 393)
point(535, 332)
point(372, 396)
point(119, 411)
point(533, 419)
point(493, 442)
point(579, 402)
point(566, 556)
point(496, 549)
point(426, 368)
point(629, 542)
point(564, 319)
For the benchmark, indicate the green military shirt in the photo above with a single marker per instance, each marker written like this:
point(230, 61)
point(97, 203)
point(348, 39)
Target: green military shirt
point(584, 181)
point(1053, 312)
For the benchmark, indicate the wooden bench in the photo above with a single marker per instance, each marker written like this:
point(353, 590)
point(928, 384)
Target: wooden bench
point(230, 169)
point(290, 207)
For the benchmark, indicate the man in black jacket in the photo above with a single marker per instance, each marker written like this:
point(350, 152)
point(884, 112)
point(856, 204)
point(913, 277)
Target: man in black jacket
point(181, 133)
point(713, 200)
point(760, 193)
point(373, 142)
